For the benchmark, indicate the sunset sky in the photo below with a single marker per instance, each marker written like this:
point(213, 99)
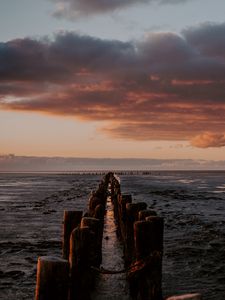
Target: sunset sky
point(104, 78)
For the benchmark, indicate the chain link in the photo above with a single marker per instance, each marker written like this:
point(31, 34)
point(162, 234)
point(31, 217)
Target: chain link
point(136, 266)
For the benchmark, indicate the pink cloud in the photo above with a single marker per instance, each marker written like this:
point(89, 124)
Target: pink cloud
point(166, 86)
point(209, 139)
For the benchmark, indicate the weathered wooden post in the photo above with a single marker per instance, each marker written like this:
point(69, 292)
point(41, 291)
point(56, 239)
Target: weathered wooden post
point(95, 226)
point(143, 214)
point(52, 278)
point(93, 202)
point(115, 195)
point(81, 259)
point(115, 202)
point(99, 212)
point(112, 187)
point(71, 220)
point(132, 210)
point(117, 189)
point(123, 200)
point(147, 282)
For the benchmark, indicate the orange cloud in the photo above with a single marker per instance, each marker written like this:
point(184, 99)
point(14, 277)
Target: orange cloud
point(167, 86)
point(208, 139)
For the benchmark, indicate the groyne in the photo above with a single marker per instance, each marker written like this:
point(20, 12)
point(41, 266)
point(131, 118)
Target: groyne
point(75, 276)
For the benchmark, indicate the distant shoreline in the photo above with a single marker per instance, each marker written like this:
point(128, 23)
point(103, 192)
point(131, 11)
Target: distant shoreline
point(22, 164)
point(119, 172)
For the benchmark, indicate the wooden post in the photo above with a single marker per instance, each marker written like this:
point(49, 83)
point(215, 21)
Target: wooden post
point(143, 214)
point(117, 189)
point(132, 210)
point(115, 203)
point(99, 212)
point(52, 278)
point(148, 236)
point(112, 187)
point(93, 202)
point(71, 220)
point(123, 200)
point(95, 226)
point(149, 247)
point(81, 259)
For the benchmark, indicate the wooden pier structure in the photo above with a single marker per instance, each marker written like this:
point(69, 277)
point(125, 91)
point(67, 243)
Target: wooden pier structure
point(74, 275)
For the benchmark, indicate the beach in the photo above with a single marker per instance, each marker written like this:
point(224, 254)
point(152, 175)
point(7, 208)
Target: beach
point(192, 204)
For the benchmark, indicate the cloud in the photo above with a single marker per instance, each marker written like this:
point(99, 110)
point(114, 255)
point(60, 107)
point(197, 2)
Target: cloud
point(208, 139)
point(75, 8)
point(208, 38)
point(165, 87)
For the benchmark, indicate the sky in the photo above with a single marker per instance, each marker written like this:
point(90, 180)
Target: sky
point(115, 79)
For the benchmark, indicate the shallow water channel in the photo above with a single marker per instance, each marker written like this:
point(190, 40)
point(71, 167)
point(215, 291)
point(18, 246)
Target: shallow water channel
point(111, 286)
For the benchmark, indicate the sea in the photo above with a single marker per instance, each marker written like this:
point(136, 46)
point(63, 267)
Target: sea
point(191, 202)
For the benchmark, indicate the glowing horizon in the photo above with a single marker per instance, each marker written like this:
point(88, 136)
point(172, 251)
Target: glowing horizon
point(74, 94)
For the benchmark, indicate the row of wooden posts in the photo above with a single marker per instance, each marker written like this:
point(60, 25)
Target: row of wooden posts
point(141, 232)
point(73, 276)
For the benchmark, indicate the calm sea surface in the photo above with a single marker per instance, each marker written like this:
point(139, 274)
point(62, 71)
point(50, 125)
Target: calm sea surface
point(192, 203)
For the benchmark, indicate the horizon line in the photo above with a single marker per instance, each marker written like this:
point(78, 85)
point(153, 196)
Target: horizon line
point(109, 158)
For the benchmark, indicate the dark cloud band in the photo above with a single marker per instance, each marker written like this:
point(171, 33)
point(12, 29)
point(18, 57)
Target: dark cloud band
point(167, 86)
point(75, 8)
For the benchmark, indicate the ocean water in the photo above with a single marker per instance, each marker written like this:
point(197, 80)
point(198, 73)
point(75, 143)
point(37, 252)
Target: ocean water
point(192, 203)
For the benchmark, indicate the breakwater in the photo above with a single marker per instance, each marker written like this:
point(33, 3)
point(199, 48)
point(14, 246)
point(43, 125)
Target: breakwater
point(140, 231)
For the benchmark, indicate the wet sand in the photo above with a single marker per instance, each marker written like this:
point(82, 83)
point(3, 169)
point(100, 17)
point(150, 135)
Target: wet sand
point(193, 204)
